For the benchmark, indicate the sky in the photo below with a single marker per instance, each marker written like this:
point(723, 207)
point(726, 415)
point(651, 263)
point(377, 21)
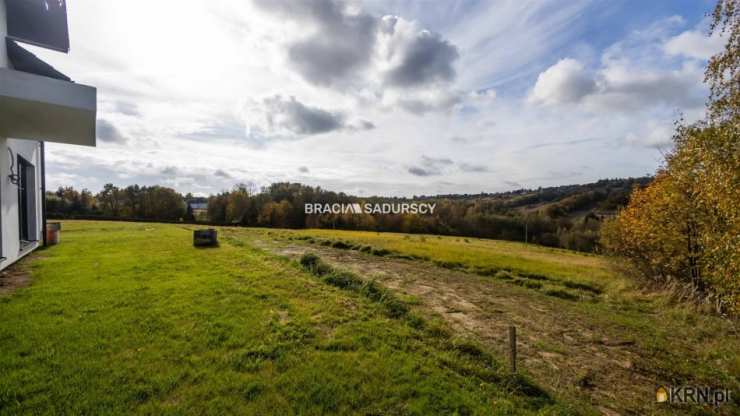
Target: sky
point(394, 98)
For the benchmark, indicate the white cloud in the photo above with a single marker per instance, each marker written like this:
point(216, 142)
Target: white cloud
point(623, 87)
point(193, 99)
point(694, 44)
point(636, 74)
point(368, 57)
point(565, 82)
point(653, 134)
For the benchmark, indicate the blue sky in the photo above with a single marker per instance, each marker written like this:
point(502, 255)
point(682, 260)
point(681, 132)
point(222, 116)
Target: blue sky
point(392, 98)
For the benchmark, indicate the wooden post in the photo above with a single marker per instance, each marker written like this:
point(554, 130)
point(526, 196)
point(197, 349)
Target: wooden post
point(512, 348)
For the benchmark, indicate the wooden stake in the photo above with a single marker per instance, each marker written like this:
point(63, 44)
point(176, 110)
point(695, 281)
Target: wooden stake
point(512, 348)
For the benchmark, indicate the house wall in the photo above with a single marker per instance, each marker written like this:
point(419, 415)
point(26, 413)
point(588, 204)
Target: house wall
point(10, 247)
point(9, 226)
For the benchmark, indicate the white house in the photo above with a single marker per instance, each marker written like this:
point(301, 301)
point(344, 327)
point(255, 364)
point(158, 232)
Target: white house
point(37, 104)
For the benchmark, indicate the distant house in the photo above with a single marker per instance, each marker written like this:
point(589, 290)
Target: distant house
point(199, 210)
point(37, 104)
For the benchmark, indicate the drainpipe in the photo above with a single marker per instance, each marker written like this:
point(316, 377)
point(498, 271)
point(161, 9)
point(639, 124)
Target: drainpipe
point(43, 192)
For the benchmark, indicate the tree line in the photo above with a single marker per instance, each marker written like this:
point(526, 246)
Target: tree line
point(551, 216)
point(131, 202)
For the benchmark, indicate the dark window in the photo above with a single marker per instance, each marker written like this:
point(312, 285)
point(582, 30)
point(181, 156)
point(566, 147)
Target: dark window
point(39, 22)
point(26, 201)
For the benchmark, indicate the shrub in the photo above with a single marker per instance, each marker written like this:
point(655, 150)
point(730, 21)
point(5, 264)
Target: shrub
point(685, 226)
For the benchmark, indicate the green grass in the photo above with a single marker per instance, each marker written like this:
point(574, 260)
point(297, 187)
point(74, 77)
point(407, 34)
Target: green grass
point(130, 318)
point(480, 254)
point(676, 342)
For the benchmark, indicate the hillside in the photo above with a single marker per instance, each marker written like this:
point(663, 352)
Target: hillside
point(603, 197)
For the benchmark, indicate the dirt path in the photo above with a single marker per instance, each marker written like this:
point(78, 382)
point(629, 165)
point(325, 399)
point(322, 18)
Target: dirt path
point(557, 346)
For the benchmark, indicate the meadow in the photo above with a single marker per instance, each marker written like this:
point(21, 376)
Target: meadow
point(595, 335)
point(479, 254)
point(131, 318)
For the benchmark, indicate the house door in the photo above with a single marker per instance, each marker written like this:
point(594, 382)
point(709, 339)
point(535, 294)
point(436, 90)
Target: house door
point(26, 202)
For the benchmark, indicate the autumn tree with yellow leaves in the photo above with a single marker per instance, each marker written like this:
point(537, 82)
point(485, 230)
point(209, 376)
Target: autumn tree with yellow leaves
point(684, 228)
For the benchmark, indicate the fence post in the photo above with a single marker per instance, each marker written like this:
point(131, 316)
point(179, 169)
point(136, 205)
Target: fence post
point(512, 348)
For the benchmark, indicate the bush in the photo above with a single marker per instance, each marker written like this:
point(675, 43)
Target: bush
point(684, 228)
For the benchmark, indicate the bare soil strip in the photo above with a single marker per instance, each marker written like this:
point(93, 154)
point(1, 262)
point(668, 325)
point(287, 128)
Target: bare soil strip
point(13, 278)
point(563, 351)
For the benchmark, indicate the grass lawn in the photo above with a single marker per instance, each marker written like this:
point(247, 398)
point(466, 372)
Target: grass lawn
point(130, 318)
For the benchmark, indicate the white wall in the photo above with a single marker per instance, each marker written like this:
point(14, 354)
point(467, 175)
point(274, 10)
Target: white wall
point(75, 106)
point(9, 227)
point(29, 150)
